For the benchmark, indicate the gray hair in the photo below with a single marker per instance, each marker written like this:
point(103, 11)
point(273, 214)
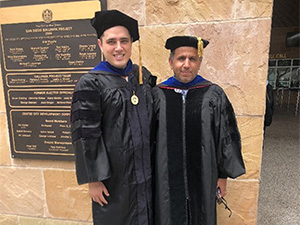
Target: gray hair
point(171, 55)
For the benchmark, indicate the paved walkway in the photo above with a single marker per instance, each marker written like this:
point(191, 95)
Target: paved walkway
point(279, 194)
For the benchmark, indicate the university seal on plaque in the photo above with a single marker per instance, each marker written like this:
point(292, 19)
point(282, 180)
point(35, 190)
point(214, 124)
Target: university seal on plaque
point(47, 15)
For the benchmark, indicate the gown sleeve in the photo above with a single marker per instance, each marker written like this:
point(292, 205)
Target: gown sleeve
point(92, 162)
point(229, 155)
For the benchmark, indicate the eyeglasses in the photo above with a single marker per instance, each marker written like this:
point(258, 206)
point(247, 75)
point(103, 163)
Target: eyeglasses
point(220, 200)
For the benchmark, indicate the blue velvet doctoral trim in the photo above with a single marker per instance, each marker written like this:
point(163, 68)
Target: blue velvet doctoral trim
point(105, 66)
point(172, 81)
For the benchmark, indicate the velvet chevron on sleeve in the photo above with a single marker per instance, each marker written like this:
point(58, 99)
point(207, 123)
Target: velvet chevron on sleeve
point(92, 162)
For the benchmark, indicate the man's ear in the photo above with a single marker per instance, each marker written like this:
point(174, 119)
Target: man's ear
point(100, 44)
point(171, 63)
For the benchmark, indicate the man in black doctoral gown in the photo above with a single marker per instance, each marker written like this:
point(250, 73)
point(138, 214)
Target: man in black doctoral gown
point(111, 114)
point(197, 140)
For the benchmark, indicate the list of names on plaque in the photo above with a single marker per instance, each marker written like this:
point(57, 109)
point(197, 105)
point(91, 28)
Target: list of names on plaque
point(49, 134)
point(62, 45)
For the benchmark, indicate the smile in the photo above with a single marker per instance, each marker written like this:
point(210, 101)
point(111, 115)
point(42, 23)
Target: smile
point(119, 56)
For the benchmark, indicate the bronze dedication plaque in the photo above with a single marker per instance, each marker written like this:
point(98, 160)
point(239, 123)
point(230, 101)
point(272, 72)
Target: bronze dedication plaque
point(44, 50)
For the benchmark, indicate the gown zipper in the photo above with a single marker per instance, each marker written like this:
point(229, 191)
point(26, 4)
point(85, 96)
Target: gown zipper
point(186, 190)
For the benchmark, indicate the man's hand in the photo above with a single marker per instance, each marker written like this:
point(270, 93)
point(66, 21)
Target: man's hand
point(96, 192)
point(222, 183)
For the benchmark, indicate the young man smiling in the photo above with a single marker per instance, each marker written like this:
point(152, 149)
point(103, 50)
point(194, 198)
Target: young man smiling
point(111, 114)
point(116, 44)
point(197, 142)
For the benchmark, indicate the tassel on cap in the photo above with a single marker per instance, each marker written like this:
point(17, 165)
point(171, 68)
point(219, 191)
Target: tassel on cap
point(200, 47)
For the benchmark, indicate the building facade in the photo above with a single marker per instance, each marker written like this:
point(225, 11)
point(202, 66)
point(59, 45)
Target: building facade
point(43, 191)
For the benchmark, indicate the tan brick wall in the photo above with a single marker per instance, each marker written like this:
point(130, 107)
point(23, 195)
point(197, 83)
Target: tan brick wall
point(45, 191)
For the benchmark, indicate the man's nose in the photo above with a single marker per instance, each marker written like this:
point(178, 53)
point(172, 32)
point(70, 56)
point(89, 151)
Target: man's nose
point(118, 46)
point(186, 63)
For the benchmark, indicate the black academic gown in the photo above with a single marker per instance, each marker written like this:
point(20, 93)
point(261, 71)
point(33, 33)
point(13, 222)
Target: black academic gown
point(111, 141)
point(197, 142)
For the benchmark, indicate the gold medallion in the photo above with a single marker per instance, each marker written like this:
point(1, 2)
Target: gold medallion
point(134, 99)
